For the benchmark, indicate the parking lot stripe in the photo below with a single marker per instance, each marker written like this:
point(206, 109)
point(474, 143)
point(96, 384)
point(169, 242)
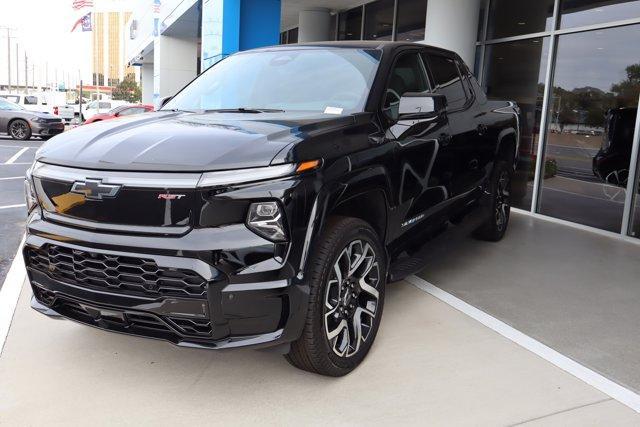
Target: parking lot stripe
point(11, 177)
point(605, 385)
point(10, 294)
point(12, 206)
point(16, 156)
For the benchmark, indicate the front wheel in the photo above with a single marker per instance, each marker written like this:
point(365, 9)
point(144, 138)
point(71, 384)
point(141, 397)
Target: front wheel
point(347, 282)
point(19, 129)
point(499, 203)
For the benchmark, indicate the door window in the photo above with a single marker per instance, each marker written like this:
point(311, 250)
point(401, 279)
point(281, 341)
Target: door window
point(407, 75)
point(447, 80)
point(105, 105)
point(30, 100)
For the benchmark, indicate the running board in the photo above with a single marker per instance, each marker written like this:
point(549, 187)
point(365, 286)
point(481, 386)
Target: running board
point(405, 267)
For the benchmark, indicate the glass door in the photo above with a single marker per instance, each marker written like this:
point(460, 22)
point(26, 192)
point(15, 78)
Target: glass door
point(591, 121)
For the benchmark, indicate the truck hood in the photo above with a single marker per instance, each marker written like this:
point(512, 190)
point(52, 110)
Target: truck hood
point(184, 142)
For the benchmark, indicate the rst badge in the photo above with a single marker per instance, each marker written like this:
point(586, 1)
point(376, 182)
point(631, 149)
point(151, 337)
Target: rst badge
point(167, 196)
point(94, 189)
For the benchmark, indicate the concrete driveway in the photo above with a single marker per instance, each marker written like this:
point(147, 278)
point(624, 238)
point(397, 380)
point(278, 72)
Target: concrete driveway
point(430, 365)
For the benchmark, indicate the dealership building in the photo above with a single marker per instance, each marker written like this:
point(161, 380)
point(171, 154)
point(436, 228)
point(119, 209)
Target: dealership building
point(573, 67)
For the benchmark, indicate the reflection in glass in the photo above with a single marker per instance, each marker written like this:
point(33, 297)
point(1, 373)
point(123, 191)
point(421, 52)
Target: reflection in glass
point(576, 13)
point(515, 17)
point(411, 20)
point(350, 24)
point(378, 20)
point(635, 219)
point(591, 114)
point(516, 71)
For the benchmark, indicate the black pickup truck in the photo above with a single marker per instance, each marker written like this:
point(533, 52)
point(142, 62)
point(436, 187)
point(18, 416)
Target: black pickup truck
point(269, 202)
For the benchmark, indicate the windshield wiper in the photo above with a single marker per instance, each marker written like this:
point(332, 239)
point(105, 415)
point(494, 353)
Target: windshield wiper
point(244, 110)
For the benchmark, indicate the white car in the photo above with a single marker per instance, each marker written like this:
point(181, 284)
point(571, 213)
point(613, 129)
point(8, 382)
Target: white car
point(33, 102)
point(95, 107)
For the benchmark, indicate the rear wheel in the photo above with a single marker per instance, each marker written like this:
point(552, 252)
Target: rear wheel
point(347, 281)
point(499, 203)
point(19, 129)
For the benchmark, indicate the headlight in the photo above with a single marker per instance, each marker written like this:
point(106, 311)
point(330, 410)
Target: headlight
point(29, 193)
point(30, 196)
point(267, 220)
point(38, 120)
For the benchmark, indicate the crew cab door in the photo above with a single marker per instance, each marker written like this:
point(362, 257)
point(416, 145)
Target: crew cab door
point(421, 154)
point(466, 173)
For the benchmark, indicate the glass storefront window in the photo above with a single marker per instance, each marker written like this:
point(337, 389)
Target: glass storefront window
point(591, 120)
point(350, 24)
point(516, 17)
point(577, 13)
point(516, 71)
point(378, 20)
point(411, 20)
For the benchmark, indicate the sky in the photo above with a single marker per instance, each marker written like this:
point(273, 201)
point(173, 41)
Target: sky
point(43, 28)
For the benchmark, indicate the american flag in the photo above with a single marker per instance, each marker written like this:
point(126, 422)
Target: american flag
point(79, 4)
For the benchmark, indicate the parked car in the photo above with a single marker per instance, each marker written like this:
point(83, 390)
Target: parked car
point(96, 107)
point(32, 102)
point(270, 201)
point(22, 124)
point(121, 111)
point(65, 112)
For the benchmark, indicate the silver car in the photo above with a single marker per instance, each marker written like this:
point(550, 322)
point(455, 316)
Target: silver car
point(22, 124)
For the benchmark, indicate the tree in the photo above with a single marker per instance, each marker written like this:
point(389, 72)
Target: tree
point(127, 90)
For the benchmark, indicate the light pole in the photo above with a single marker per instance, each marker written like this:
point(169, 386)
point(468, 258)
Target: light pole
point(8, 29)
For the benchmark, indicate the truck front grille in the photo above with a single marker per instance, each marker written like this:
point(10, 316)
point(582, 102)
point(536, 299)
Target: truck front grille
point(114, 273)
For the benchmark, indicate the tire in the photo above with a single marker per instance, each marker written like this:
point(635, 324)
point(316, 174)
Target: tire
point(336, 312)
point(19, 129)
point(496, 225)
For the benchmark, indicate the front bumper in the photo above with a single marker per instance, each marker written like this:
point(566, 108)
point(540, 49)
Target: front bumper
point(251, 295)
point(47, 129)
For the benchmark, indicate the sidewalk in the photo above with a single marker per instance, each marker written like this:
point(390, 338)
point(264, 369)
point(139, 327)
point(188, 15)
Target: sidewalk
point(430, 365)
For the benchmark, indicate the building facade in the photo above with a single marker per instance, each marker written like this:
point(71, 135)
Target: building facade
point(109, 66)
point(573, 66)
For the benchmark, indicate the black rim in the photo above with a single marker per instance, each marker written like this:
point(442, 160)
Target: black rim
point(502, 200)
point(351, 298)
point(19, 130)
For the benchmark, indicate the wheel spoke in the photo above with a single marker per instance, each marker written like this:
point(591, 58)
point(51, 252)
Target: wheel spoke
point(368, 288)
point(334, 333)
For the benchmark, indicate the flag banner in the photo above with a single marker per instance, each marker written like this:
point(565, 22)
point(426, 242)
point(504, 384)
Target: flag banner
point(84, 22)
point(79, 4)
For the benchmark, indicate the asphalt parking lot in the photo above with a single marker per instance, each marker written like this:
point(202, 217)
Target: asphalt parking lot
point(15, 158)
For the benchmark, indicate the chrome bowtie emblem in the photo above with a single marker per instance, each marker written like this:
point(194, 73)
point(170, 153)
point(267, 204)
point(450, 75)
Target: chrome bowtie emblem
point(94, 189)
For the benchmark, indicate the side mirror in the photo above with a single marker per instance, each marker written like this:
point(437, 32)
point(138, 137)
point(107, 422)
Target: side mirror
point(163, 101)
point(420, 106)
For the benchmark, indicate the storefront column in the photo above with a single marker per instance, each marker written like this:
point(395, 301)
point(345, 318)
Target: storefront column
point(314, 25)
point(146, 80)
point(453, 25)
point(174, 65)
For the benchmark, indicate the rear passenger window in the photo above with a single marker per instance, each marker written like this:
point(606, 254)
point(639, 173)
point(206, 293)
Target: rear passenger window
point(105, 105)
point(30, 100)
point(407, 75)
point(447, 80)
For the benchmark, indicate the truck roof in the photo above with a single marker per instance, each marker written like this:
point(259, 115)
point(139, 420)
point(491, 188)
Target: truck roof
point(359, 44)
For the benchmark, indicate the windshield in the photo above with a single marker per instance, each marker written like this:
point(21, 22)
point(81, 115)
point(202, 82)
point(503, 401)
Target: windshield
point(11, 98)
point(6, 105)
point(335, 81)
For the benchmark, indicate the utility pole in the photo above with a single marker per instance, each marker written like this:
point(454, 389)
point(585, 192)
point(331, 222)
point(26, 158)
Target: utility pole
point(8, 60)
point(26, 74)
point(17, 67)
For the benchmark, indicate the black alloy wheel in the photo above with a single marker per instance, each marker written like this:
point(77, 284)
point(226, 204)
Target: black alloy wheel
point(347, 279)
point(20, 130)
point(499, 203)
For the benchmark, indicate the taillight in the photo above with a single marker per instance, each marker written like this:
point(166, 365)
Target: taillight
point(55, 110)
